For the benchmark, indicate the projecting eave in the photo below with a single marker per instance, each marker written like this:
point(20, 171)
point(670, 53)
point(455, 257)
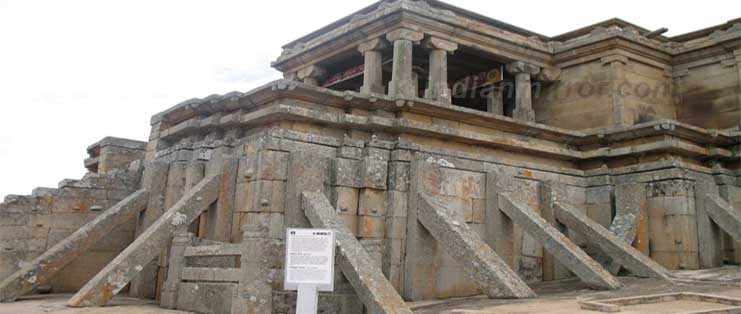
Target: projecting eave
point(432, 18)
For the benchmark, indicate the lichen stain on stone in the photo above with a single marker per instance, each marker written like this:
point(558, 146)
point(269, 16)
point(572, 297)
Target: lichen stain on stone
point(178, 219)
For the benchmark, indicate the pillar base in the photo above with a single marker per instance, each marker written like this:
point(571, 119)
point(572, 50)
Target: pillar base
point(441, 94)
point(524, 114)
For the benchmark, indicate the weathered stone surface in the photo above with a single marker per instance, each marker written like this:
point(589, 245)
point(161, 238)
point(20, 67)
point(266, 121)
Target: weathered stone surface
point(114, 277)
point(499, 227)
point(372, 287)
point(43, 268)
point(308, 172)
point(201, 297)
point(402, 83)
point(570, 255)
point(551, 193)
point(219, 219)
point(621, 252)
point(483, 265)
point(724, 215)
point(154, 180)
point(708, 231)
point(169, 293)
point(255, 294)
point(630, 202)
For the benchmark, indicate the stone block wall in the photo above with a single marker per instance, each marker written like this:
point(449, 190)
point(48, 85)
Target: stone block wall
point(575, 102)
point(372, 177)
point(29, 225)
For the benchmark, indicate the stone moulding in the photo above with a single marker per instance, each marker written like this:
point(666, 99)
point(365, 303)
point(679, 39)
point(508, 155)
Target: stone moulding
point(273, 102)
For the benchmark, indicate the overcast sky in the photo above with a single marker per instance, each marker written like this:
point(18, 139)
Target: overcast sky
point(72, 72)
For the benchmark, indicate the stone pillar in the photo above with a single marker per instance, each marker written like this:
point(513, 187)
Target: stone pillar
point(255, 288)
point(437, 87)
point(494, 101)
point(311, 74)
point(373, 66)
point(402, 83)
point(523, 90)
point(177, 263)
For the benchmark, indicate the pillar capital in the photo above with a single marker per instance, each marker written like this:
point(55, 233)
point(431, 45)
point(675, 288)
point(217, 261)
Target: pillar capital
point(372, 45)
point(310, 71)
point(440, 44)
point(405, 34)
point(519, 67)
point(311, 74)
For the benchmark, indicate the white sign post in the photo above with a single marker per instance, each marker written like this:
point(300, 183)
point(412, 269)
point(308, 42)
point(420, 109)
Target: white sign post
point(309, 266)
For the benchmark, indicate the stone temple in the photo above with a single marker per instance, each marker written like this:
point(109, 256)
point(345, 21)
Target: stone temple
point(455, 155)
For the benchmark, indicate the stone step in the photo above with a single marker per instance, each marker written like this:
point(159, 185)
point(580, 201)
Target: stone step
point(213, 250)
point(43, 268)
point(211, 274)
point(119, 272)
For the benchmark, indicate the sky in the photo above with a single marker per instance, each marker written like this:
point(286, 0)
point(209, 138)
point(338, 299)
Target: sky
point(75, 71)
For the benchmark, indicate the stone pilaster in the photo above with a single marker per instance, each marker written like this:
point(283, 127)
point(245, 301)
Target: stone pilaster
point(402, 82)
point(737, 55)
point(523, 90)
point(617, 64)
point(177, 263)
point(673, 228)
point(437, 87)
point(373, 67)
point(311, 74)
point(255, 288)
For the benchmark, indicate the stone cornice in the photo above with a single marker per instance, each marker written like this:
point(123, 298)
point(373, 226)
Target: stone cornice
point(468, 29)
point(273, 102)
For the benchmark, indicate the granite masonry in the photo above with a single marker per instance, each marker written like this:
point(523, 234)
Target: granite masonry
point(454, 154)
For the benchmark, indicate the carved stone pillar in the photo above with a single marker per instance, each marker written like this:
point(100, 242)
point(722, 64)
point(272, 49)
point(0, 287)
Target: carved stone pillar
point(523, 90)
point(373, 67)
point(311, 74)
point(437, 87)
point(402, 84)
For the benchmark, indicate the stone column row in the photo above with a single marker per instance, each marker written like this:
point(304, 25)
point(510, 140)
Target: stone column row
point(403, 82)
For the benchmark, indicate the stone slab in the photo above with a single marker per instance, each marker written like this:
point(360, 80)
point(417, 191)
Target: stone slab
point(556, 243)
point(116, 275)
point(482, 264)
point(620, 252)
point(373, 289)
point(43, 268)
